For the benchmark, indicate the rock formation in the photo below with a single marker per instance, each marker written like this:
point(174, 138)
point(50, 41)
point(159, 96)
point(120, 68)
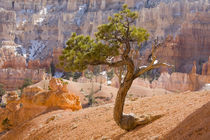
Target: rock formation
point(9, 57)
point(35, 100)
point(14, 78)
point(191, 44)
point(7, 25)
point(206, 68)
point(40, 29)
point(181, 81)
point(43, 25)
point(13, 67)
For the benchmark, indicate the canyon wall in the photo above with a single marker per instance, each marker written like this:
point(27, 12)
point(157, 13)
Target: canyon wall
point(15, 78)
point(7, 25)
point(14, 69)
point(42, 25)
point(36, 31)
point(191, 44)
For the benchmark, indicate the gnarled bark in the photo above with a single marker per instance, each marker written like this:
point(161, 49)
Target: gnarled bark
point(124, 121)
point(128, 121)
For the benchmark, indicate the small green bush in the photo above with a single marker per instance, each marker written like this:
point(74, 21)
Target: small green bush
point(6, 124)
point(110, 74)
point(27, 82)
point(2, 105)
point(2, 91)
point(65, 83)
point(91, 100)
point(49, 88)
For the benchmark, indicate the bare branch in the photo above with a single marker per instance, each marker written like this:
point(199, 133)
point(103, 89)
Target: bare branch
point(142, 70)
point(154, 63)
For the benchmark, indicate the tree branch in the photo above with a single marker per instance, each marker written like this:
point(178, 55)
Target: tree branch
point(153, 64)
point(111, 64)
point(119, 73)
point(140, 71)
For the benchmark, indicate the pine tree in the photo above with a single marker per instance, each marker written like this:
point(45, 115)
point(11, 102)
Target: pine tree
point(113, 46)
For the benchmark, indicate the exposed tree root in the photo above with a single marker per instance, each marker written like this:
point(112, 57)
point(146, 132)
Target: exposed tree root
point(130, 122)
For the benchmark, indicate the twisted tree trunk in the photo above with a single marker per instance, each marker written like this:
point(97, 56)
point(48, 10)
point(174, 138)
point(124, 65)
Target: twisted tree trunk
point(128, 121)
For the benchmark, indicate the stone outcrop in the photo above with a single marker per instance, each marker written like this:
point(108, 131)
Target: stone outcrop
point(55, 56)
point(57, 97)
point(13, 64)
point(175, 82)
point(35, 100)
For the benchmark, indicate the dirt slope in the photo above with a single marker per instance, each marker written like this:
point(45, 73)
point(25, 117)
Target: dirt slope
point(97, 122)
point(196, 126)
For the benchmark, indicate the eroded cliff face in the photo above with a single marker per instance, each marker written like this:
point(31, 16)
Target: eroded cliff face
point(14, 68)
point(7, 25)
point(37, 30)
point(191, 44)
point(14, 78)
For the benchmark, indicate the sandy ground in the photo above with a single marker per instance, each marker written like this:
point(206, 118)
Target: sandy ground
point(186, 116)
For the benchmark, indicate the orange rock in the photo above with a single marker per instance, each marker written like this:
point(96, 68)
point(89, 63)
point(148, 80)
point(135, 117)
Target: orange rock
point(12, 97)
point(193, 71)
point(34, 64)
point(34, 101)
point(57, 97)
point(206, 68)
point(58, 85)
point(8, 56)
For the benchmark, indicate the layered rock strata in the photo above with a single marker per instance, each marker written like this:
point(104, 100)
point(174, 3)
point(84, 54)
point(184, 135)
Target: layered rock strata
point(15, 78)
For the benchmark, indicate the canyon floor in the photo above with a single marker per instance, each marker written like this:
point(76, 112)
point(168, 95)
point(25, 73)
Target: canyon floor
point(185, 116)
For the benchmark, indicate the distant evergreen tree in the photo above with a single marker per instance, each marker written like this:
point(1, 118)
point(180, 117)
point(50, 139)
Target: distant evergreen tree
point(76, 75)
point(27, 82)
point(2, 91)
point(52, 68)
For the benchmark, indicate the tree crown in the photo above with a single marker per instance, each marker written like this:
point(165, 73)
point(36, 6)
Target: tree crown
point(112, 42)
